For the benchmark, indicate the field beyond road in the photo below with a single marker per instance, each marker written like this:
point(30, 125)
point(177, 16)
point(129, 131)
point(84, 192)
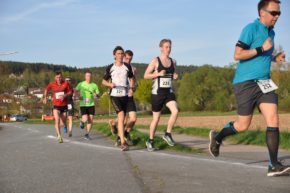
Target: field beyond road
point(213, 122)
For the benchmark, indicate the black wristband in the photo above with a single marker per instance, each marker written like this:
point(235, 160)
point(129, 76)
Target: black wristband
point(260, 50)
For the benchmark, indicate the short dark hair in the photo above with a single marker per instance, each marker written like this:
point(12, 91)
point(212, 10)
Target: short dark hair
point(88, 71)
point(117, 48)
point(56, 73)
point(163, 41)
point(129, 52)
point(264, 3)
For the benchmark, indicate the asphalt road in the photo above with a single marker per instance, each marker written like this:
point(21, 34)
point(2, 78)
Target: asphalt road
point(31, 161)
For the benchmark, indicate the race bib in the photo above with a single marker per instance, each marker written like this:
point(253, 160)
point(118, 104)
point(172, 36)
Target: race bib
point(267, 86)
point(165, 83)
point(119, 92)
point(87, 101)
point(59, 94)
point(69, 107)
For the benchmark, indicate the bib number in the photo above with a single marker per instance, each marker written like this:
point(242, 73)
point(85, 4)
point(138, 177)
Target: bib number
point(119, 92)
point(165, 83)
point(69, 107)
point(59, 94)
point(87, 101)
point(267, 86)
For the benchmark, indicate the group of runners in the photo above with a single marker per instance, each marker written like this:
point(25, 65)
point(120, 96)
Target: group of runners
point(252, 83)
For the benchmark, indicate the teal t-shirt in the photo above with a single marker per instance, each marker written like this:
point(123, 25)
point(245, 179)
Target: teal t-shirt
point(258, 67)
point(86, 92)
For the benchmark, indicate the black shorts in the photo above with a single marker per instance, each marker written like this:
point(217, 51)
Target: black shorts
point(120, 103)
point(70, 111)
point(159, 100)
point(249, 95)
point(131, 107)
point(61, 109)
point(88, 110)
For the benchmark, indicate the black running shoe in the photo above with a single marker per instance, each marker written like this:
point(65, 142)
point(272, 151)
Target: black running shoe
point(128, 138)
point(278, 170)
point(169, 140)
point(150, 145)
point(214, 146)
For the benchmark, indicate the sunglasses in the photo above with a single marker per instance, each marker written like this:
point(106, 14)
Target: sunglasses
point(273, 13)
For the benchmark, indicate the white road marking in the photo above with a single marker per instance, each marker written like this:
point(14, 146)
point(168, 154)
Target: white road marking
point(162, 154)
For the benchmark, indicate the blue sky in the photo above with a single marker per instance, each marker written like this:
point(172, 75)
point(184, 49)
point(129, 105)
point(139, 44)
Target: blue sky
point(83, 33)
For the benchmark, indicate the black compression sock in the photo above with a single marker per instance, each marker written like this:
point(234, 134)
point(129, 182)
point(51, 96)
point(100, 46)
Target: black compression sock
point(272, 140)
point(167, 134)
point(228, 130)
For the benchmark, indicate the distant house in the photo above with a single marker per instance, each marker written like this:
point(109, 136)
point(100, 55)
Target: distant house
point(20, 92)
point(38, 92)
point(6, 98)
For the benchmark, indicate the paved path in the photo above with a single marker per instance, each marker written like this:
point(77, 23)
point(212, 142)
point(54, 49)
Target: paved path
point(32, 161)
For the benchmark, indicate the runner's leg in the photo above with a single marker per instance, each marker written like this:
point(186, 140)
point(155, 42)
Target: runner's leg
point(172, 106)
point(154, 123)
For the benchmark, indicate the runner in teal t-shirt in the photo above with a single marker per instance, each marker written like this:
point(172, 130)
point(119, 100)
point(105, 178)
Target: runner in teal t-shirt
point(87, 91)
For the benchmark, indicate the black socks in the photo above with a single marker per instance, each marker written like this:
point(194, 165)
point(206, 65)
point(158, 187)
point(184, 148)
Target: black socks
point(228, 130)
point(272, 140)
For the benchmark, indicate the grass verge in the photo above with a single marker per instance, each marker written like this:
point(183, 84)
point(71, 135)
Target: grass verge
point(140, 138)
point(251, 137)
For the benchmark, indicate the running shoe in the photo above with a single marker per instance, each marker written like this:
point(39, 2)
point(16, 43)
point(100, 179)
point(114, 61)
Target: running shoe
point(168, 138)
point(128, 138)
point(87, 137)
point(150, 145)
point(118, 142)
point(70, 134)
point(124, 147)
point(214, 146)
point(82, 125)
point(59, 139)
point(113, 127)
point(65, 129)
point(278, 170)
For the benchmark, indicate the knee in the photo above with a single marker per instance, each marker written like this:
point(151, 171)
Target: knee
point(174, 112)
point(133, 119)
point(273, 121)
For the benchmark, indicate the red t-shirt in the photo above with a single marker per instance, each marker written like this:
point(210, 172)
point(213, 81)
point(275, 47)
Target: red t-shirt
point(57, 90)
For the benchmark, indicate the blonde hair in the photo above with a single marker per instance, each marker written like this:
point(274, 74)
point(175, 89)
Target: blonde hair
point(163, 41)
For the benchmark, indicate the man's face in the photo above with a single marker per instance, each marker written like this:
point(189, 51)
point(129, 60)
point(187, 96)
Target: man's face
point(267, 14)
point(88, 77)
point(58, 78)
point(119, 55)
point(166, 48)
point(128, 58)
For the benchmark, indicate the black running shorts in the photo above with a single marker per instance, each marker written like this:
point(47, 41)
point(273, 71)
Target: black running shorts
point(61, 109)
point(120, 103)
point(159, 100)
point(249, 95)
point(131, 107)
point(88, 110)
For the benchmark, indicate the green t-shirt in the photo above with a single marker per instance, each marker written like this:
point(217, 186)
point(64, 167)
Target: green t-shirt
point(86, 92)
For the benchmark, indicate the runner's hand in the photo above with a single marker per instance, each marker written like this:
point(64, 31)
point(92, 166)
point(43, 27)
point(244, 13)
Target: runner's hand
point(113, 85)
point(280, 57)
point(130, 93)
point(175, 76)
point(162, 73)
point(267, 44)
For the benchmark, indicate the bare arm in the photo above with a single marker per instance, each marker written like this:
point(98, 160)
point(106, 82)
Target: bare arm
point(243, 54)
point(149, 73)
point(108, 84)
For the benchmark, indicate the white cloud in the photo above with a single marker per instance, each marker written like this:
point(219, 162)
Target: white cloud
point(22, 15)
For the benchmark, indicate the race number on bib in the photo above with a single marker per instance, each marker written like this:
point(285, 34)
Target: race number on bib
point(267, 86)
point(119, 92)
point(165, 82)
point(59, 94)
point(87, 101)
point(69, 107)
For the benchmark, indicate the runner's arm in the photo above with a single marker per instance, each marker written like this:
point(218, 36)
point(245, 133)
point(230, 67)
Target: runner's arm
point(149, 73)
